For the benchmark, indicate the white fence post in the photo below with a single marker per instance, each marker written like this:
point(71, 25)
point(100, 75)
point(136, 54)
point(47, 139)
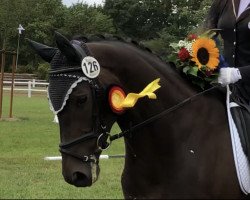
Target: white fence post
point(33, 82)
point(29, 89)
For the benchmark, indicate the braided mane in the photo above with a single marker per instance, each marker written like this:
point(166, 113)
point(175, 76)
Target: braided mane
point(139, 45)
point(110, 37)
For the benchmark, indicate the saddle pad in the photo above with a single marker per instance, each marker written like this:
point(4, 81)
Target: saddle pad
point(240, 159)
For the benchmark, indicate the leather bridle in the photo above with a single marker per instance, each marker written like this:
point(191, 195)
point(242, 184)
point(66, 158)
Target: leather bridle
point(99, 130)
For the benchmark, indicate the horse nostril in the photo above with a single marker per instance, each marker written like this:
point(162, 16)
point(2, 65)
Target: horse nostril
point(79, 179)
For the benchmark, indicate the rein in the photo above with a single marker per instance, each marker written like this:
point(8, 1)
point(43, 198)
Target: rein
point(157, 116)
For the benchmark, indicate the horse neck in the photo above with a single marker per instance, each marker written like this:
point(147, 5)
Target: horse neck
point(134, 69)
point(170, 133)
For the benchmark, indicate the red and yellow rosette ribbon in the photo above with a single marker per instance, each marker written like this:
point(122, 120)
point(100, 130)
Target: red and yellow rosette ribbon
point(119, 101)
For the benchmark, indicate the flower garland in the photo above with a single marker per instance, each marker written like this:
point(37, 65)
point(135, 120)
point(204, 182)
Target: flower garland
point(198, 57)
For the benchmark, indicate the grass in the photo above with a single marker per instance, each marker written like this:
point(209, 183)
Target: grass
point(25, 142)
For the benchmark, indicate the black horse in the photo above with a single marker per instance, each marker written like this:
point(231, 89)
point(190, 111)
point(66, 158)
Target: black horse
point(183, 152)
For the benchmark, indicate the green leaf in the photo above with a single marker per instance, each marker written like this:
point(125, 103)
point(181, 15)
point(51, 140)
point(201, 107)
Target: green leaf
point(193, 71)
point(174, 46)
point(208, 79)
point(199, 83)
point(186, 69)
point(209, 33)
point(172, 58)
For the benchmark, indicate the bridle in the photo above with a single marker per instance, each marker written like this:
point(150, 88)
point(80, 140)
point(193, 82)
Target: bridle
point(99, 130)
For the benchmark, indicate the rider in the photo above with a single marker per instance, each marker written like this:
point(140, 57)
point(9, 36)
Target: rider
point(232, 18)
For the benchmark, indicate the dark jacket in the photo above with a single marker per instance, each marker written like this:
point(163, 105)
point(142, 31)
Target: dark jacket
point(236, 36)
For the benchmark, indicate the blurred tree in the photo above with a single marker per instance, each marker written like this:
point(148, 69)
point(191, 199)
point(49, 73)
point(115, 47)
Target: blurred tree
point(155, 22)
point(186, 17)
point(39, 18)
point(83, 19)
point(138, 19)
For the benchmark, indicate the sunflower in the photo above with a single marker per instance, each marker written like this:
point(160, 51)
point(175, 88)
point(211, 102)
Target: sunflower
point(205, 53)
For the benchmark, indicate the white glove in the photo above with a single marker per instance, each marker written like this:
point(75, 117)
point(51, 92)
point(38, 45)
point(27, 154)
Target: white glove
point(229, 75)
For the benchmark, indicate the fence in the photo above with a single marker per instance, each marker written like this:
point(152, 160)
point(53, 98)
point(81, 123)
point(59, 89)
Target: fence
point(27, 85)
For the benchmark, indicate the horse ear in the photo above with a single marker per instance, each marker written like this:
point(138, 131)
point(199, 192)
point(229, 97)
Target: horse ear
point(46, 52)
point(66, 47)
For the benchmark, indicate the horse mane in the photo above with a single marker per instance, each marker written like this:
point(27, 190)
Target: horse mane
point(129, 41)
point(111, 37)
point(140, 46)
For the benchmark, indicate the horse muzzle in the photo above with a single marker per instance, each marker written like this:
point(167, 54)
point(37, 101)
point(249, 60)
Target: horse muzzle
point(83, 170)
point(83, 177)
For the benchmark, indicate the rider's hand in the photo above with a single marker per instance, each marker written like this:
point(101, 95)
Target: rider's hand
point(229, 75)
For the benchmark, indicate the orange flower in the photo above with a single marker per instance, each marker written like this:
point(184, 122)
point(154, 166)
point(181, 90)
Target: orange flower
point(205, 53)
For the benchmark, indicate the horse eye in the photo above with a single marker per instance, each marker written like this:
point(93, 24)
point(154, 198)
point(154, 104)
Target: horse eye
point(81, 100)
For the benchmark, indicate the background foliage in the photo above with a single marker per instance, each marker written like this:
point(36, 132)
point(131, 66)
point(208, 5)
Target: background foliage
point(155, 23)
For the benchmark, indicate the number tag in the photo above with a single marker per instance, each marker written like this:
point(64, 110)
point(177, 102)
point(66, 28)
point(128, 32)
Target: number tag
point(90, 67)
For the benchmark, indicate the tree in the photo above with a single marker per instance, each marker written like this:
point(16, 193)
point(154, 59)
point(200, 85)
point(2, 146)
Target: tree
point(82, 19)
point(156, 22)
point(186, 17)
point(39, 18)
point(138, 19)
point(46, 17)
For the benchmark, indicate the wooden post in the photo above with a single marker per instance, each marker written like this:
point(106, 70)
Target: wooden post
point(1, 82)
point(12, 84)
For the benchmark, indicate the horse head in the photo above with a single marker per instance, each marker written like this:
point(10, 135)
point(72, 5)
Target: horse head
point(79, 99)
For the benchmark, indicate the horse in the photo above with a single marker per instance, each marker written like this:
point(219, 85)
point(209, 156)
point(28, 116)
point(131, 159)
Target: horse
point(173, 148)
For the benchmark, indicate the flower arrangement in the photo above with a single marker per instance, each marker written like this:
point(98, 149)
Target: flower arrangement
point(198, 57)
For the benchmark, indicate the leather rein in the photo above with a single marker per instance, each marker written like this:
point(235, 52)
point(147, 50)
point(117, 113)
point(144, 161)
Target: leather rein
point(103, 136)
point(158, 116)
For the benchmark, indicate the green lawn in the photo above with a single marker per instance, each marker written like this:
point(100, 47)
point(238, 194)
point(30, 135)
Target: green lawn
point(23, 145)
